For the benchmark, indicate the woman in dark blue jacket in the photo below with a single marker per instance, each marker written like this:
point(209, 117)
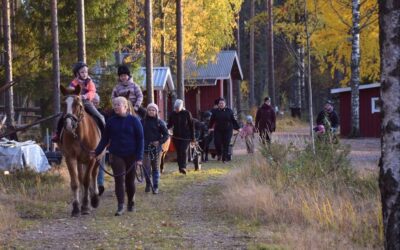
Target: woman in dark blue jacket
point(223, 123)
point(124, 134)
point(155, 134)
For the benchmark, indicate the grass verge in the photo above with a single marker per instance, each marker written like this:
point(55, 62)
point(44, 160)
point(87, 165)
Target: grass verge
point(287, 188)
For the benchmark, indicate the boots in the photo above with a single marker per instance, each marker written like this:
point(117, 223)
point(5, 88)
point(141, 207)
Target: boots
point(131, 206)
point(120, 210)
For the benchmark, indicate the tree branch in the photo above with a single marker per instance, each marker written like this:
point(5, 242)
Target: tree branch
point(340, 16)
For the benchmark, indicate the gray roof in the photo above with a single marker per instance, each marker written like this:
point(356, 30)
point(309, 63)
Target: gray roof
point(361, 86)
point(161, 76)
point(221, 68)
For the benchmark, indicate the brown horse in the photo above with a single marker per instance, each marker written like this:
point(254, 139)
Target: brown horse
point(80, 136)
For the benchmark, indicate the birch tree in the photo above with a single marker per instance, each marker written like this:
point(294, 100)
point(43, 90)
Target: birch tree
point(355, 69)
point(389, 178)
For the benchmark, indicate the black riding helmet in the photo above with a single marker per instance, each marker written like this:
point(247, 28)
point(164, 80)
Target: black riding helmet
point(123, 69)
point(77, 67)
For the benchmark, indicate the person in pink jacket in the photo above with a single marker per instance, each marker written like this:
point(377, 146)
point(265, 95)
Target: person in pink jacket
point(247, 133)
point(88, 92)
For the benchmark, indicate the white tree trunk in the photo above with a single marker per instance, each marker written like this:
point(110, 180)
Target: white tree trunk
point(355, 70)
point(389, 177)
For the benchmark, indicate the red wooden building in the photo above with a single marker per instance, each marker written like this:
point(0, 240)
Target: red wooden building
point(370, 116)
point(163, 86)
point(205, 83)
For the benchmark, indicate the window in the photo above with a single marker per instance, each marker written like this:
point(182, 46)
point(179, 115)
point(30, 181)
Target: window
point(375, 107)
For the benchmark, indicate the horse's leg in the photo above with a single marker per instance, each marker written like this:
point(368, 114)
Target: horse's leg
point(163, 154)
point(94, 191)
point(86, 182)
point(73, 173)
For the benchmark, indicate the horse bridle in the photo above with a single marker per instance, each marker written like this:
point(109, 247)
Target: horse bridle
point(75, 119)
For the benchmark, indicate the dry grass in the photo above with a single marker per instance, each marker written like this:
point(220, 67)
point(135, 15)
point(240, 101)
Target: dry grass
point(288, 123)
point(8, 216)
point(31, 195)
point(287, 188)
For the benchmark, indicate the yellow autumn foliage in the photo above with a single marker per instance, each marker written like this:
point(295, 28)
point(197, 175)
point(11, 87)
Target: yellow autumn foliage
point(208, 27)
point(330, 23)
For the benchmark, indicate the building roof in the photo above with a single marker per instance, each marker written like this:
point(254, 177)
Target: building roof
point(161, 77)
point(225, 66)
point(363, 86)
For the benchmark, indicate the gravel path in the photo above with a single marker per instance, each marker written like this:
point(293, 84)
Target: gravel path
point(200, 230)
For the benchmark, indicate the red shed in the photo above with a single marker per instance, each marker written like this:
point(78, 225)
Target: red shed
point(163, 86)
point(370, 116)
point(205, 83)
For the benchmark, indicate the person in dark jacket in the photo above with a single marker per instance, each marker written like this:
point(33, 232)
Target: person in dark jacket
point(155, 134)
point(183, 132)
point(266, 120)
point(223, 123)
point(124, 134)
point(328, 117)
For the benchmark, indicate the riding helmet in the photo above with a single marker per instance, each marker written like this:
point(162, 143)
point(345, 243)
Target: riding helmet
point(77, 67)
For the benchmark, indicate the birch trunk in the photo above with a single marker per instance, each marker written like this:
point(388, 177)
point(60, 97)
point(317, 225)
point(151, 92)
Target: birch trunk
point(355, 70)
point(389, 176)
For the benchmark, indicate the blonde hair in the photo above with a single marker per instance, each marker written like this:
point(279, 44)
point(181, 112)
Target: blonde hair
point(120, 100)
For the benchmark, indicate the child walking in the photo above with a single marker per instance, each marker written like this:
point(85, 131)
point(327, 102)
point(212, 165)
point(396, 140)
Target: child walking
point(155, 134)
point(248, 134)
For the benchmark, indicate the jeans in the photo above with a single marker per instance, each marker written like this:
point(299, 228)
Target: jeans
point(100, 176)
point(151, 163)
point(91, 109)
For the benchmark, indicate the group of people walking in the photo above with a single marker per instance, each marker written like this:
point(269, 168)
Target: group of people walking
point(135, 141)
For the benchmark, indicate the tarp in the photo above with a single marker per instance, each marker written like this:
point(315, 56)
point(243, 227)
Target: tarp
point(17, 155)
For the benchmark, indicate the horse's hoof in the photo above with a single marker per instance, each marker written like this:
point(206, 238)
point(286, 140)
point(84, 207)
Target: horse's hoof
point(85, 211)
point(75, 209)
point(75, 213)
point(95, 201)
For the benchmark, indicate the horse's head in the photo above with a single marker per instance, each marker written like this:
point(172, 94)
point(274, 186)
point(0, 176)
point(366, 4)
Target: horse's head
point(72, 107)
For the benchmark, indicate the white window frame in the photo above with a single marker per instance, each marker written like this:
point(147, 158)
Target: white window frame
point(374, 105)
